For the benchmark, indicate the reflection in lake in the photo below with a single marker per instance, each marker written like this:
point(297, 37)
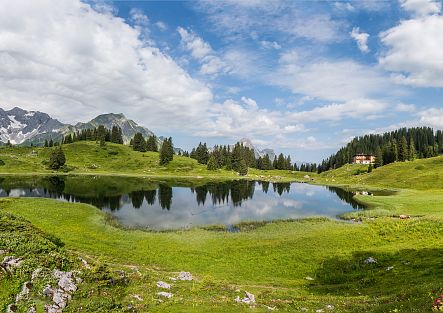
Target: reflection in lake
point(173, 205)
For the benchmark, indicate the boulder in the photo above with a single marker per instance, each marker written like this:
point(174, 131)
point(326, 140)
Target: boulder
point(24, 292)
point(165, 294)
point(162, 284)
point(370, 260)
point(185, 276)
point(10, 262)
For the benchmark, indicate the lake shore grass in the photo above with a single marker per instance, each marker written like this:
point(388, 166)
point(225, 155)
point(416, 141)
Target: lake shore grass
point(307, 264)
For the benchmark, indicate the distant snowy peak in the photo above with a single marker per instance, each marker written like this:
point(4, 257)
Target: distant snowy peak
point(258, 153)
point(18, 125)
point(23, 127)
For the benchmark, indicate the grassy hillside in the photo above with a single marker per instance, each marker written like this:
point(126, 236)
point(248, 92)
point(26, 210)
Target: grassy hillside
point(271, 261)
point(292, 266)
point(421, 174)
point(89, 158)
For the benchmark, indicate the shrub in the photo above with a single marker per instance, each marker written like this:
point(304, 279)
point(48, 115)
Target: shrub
point(57, 159)
point(2, 163)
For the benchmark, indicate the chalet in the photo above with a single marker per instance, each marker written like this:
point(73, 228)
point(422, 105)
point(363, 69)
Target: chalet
point(363, 159)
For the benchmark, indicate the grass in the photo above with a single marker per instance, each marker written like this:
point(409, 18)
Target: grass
point(271, 261)
point(88, 158)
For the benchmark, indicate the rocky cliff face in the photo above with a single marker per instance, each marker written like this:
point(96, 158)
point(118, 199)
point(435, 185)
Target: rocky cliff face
point(25, 127)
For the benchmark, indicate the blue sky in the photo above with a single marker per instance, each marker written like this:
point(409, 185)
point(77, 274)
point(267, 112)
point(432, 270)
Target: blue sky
point(301, 77)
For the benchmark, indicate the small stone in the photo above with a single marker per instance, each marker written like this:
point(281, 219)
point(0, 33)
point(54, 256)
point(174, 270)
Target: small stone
point(85, 264)
point(32, 309)
point(389, 268)
point(185, 276)
point(404, 216)
point(370, 260)
point(162, 284)
point(137, 297)
point(10, 262)
point(12, 308)
point(48, 291)
point(330, 307)
point(67, 284)
point(165, 294)
point(309, 278)
point(24, 292)
point(319, 311)
point(36, 273)
point(52, 308)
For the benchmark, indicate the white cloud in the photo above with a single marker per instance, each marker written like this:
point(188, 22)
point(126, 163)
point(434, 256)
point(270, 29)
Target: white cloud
point(403, 107)
point(138, 17)
point(432, 117)
point(231, 118)
point(161, 25)
point(67, 59)
point(341, 80)
point(358, 109)
point(361, 39)
point(270, 44)
point(200, 50)
point(414, 51)
point(237, 18)
point(421, 7)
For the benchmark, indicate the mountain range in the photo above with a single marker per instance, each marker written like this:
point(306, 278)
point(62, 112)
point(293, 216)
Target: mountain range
point(21, 127)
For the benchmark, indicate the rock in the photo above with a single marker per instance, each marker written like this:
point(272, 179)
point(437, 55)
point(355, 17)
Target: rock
point(3, 252)
point(48, 291)
point(370, 260)
point(185, 276)
point(319, 311)
point(248, 299)
point(309, 278)
point(270, 308)
point(12, 308)
point(162, 284)
point(389, 268)
point(61, 298)
point(172, 278)
point(404, 217)
point(67, 284)
point(85, 264)
point(137, 297)
point(330, 307)
point(36, 273)
point(165, 294)
point(52, 308)
point(24, 292)
point(10, 262)
point(32, 309)
point(306, 177)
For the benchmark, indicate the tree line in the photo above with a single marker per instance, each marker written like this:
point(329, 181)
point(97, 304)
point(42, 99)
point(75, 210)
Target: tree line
point(100, 133)
point(400, 145)
point(238, 158)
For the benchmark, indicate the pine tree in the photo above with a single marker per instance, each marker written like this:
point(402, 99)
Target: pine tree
point(378, 158)
point(403, 154)
point(116, 135)
point(139, 143)
point(151, 144)
point(412, 151)
point(57, 159)
point(242, 168)
point(46, 143)
point(51, 143)
point(212, 163)
point(166, 151)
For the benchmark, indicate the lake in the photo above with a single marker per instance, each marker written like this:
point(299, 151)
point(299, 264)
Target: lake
point(177, 204)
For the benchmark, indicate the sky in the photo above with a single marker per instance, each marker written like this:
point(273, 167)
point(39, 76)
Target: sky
point(300, 77)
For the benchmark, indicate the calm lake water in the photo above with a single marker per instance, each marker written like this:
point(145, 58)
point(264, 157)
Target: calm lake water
point(176, 204)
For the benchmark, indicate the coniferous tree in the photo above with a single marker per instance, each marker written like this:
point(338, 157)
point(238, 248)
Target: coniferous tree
point(378, 157)
point(151, 144)
point(51, 143)
point(46, 143)
point(139, 143)
point(166, 151)
point(116, 135)
point(57, 159)
point(212, 163)
point(412, 151)
point(403, 153)
point(242, 168)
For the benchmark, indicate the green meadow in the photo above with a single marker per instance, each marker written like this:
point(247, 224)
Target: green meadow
point(290, 266)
